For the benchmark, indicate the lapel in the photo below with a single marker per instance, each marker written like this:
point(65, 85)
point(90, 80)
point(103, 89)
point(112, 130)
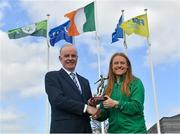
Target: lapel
point(69, 80)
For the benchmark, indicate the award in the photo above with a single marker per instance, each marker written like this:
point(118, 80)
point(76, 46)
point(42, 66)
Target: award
point(99, 95)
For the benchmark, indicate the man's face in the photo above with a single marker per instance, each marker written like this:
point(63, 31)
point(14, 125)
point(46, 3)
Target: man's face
point(68, 58)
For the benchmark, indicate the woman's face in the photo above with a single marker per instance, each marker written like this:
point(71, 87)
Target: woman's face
point(119, 65)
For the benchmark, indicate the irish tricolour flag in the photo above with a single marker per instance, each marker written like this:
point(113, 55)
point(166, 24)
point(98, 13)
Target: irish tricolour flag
point(81, 20)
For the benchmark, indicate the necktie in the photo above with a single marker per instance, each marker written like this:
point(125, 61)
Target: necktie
point(75, 81)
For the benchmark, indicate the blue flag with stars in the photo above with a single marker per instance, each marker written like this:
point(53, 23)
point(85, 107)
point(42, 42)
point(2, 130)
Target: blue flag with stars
point(60, 33)
point(118, 32)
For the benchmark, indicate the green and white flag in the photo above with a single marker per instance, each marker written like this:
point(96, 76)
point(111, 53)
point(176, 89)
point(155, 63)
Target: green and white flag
point(36, 29)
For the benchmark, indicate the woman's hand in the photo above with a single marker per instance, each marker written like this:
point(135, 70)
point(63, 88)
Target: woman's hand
point(109, 103)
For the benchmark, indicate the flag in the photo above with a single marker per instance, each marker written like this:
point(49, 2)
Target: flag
point(60, 33)
point(36, 29)
point(137, 25)
point(81, 20)
point(118, 31)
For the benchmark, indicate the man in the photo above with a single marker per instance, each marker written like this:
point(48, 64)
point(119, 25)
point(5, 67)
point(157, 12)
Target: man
point(68, 95)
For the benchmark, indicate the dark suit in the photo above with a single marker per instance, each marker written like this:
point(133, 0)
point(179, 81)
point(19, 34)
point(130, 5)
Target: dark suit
point(67, 103)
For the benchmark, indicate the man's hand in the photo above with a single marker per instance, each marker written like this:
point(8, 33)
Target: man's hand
point(92, 102)
point(91, 110)
point(97, 114)
point(96, 100)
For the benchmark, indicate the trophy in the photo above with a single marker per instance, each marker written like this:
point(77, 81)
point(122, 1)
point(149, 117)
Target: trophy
point(100, 93)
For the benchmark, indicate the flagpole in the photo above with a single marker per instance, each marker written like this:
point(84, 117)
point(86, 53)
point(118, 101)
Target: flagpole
point(47, 102)
point(98, 53)
point(153, 84)
point(48, 46)
point(124, 36)
point(73, 40)
point(97, 39)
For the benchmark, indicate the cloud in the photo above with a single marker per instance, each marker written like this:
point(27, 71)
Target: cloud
point(8, 116)
point(163, 34)
point(23, 62)
point(39, 9)
point(33, 91)
point(171, 111)
point(11, 120)
point(23, 65)
point(4, 5)
point(175, 110)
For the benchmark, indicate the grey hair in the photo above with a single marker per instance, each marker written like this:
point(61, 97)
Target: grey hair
point(67, 45)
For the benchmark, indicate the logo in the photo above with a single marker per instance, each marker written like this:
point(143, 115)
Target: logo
point(29, 29)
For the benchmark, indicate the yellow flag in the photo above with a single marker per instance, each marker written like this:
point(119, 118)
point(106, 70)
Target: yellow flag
point(137, 25)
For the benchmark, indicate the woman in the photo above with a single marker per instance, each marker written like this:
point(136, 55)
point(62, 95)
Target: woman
point(125, 93)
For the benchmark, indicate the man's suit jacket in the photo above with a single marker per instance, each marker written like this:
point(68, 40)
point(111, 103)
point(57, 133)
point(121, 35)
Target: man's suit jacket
point(67, 103)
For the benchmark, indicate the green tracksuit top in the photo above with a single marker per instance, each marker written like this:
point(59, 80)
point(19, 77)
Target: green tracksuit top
point(128, 116)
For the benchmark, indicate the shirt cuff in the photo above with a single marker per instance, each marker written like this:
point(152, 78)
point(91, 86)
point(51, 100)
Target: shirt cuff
point(85, 108)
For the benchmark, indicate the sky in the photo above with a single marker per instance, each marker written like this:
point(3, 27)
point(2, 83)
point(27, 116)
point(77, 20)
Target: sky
point(23, 62)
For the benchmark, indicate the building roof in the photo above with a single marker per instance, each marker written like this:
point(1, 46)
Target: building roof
point(167, 125)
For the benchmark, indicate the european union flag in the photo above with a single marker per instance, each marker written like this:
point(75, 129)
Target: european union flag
point(118, 32)
point(60, 33)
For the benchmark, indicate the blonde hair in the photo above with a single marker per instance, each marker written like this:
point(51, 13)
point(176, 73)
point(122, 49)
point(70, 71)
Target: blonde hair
point(127, 76)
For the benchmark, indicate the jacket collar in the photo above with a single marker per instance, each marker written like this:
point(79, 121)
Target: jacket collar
point(67, 78)
point(120, 80)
